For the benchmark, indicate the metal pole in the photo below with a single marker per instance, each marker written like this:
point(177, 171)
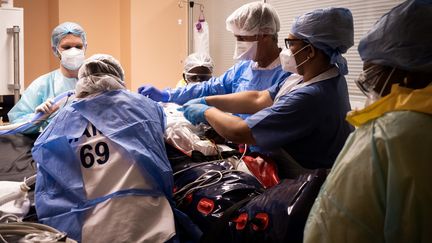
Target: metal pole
point(190, 27)
point(16, 86)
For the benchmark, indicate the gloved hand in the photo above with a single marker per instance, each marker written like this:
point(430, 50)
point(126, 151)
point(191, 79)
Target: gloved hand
point(45, 107)
point(195, 113)
point(197, 101)
point(153, 93)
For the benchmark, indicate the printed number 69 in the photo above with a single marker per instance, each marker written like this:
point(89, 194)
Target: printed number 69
point(87, 157)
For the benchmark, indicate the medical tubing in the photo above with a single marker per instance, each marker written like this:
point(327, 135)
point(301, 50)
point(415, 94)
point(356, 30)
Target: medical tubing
point(36, 117)
point(200, 164)
point(11, 196)
point(200, 180)
point(24, 188)
point(59, 97)
point(30, 181)
point(45, 233)
point(244, 152)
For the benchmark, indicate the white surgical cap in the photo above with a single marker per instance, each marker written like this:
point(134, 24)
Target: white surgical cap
point(64, 29)
point(99, 73)
point(330, 30)
point(402, 38)
point(253, 19)
point(198, 59)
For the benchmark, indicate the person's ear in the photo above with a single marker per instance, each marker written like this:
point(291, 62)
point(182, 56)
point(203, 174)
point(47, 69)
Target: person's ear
point(312, 52)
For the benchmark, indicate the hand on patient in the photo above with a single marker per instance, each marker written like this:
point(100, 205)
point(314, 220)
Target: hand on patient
point(195, 113)
point(153, 93)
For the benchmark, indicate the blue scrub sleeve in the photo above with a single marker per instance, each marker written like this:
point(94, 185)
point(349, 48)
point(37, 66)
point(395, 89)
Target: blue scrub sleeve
point(288, 120)
point(274, 89)
point(213, 86)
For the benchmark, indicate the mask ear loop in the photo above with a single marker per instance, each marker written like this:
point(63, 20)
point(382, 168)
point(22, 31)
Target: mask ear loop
point(386, 82)
point(307, 59)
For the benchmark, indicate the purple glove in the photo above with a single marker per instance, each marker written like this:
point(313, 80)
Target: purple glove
point(195, 113)
point(153, 93)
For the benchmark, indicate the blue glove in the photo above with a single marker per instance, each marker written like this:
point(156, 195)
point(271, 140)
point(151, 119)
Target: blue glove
point(153, 93)
point(195, 113)
point(197, 101)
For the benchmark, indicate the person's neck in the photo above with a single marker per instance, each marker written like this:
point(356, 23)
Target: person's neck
point(68, 73)
point(273, 53)
point(315, 71)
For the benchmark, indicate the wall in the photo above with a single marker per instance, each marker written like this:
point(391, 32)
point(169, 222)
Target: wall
point(143, 35)
point(159, 42)
point(39, 20)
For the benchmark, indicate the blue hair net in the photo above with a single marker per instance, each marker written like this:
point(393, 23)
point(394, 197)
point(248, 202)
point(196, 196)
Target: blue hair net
point(64, 29)
point(402, 38)
point(330, 30)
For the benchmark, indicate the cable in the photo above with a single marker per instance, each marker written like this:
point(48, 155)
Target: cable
point(244, 152)
point(202, 183)
point(193, 166)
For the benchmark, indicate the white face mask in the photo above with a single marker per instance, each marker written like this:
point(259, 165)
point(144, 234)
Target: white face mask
point(245, 50)
point(288, 61)
point(72, 58)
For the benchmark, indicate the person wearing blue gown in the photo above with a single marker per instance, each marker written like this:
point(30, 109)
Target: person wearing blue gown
point(68, 43)
point(255, 26)
point(301, 122)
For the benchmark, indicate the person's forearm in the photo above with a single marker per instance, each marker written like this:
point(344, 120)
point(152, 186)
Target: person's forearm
point(248, 102)
point(231, 127)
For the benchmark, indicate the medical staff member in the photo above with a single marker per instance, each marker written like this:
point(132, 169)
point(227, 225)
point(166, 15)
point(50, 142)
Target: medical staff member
point(255, 27)
point(198, 67)
point(103, 174)
point(379, 188)
point(68, 43)
point(304, 117)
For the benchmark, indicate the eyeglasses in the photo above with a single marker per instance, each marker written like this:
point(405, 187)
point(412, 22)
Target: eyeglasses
point(289, 42)
point(196, 77)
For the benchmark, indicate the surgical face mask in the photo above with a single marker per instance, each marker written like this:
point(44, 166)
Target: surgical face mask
point(368, 79)
point(288, 61)
point(72, 58)
point(245, 50)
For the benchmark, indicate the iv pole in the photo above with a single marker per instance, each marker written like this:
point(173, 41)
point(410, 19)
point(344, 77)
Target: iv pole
point(190, 21)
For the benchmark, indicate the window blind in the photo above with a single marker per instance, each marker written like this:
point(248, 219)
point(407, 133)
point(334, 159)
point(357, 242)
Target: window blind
point(365, 14)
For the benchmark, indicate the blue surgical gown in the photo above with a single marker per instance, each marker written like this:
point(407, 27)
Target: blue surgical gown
point(308, 123)
point(241, 77)
point(130, 120)
point(46, 86)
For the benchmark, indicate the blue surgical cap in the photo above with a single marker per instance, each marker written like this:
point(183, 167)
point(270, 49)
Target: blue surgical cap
point(402, 38)
point(64, 29)
point(330, 30)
